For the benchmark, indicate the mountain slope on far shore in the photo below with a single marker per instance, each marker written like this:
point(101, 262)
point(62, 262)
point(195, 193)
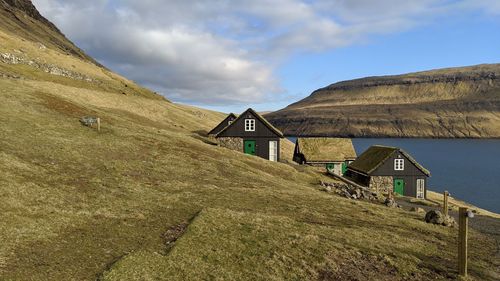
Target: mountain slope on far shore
point(446, 103)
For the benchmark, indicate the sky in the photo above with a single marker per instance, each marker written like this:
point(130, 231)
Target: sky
point(230, 55)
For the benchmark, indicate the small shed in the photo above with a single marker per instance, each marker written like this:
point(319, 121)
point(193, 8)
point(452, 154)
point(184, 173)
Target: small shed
point(252, 134)
point(384, 169)
point(335, 154)
point(226, 122)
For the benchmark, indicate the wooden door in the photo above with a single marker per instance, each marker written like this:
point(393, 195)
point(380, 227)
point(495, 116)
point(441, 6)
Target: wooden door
point(250, 147)
point(399, 186)
point(273, 151)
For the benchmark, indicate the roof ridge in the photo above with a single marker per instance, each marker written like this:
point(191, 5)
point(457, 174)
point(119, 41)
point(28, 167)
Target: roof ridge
point(262, 119)
point(223, 120)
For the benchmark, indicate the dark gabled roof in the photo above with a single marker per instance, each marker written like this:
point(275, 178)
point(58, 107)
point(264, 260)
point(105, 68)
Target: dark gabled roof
point(258, 116)
point(231, 115)
point(376, 155)
point(326, 149)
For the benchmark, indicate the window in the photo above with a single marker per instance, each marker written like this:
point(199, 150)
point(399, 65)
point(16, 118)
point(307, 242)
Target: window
point(273, 151)
point(249, 125)
point(399, 164)
point(230, 122)
point(421, 188)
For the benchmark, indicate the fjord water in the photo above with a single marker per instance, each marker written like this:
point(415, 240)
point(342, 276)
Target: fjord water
point(468, 168)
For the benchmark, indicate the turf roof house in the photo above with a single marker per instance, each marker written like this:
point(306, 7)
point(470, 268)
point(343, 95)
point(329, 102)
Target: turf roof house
point(252, 134)
point(385, 168)
point(335, 154)
point(226, 122)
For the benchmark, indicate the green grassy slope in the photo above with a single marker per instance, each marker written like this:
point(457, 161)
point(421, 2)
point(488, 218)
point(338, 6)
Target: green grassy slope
point(149, 198)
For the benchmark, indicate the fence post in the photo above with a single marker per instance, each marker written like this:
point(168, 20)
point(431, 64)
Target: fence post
point(463, 217)
point(445, 202)
point(98, 124)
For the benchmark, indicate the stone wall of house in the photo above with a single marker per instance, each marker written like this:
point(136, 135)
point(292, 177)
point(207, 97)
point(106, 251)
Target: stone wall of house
point(231, 143)
point(381, 184)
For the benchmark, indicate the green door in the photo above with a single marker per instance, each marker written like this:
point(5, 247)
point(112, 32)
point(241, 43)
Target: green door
point(250, 147)
point(399, 186)
point(330, 166)
point(344, 168)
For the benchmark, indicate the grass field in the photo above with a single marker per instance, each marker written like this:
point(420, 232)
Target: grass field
point(149, 198)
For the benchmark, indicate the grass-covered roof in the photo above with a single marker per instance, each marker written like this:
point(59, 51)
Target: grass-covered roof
point(376, 155)
point(326, 149)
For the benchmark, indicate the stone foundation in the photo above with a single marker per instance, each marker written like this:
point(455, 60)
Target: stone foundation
point(381, 184)
point(231, 143)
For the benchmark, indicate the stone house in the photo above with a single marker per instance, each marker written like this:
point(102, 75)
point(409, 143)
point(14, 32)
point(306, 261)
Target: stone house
point(385, 169)
point(251, 134)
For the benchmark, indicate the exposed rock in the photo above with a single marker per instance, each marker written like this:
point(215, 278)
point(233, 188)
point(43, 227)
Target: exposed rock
point(417, 210)
point(449, 221)
point(436, 217)
point(389, 202)
point(88, 121)
point(326, 189)
point(355, 193)
point(348, 191)
point(23, 15)
point(48, 68)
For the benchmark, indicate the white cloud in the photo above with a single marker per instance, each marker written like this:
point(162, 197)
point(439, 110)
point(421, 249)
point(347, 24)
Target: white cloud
point(225, 52)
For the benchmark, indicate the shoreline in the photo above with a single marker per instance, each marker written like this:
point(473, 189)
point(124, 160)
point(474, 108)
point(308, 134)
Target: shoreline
point(437, 198)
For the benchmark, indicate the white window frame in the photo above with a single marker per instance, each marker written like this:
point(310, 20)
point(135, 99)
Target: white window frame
point(273, 151)
point(249, 125)
point(421, 188)
point(399, 164)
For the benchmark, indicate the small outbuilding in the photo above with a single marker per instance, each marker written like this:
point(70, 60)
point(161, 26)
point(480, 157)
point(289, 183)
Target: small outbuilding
point(226, 122)
point(385, 169)
point(335, 154)
point(251, 134)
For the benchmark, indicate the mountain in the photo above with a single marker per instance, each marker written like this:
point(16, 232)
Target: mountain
point(149, 197)
point(447, 103)
point(23, 19)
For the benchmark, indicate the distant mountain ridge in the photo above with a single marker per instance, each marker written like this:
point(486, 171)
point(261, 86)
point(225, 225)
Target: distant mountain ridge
point(445, 103)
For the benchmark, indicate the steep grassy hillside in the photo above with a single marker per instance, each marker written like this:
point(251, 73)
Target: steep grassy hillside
point(149, 198)
point(446, 103)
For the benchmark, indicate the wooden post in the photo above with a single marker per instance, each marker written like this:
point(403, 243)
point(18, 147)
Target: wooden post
point(462, 241)
point(98, 124)
point(445, 202)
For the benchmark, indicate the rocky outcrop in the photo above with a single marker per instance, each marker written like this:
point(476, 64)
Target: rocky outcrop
point(21, 18)
point(9, 58)
point(436, 217)
point(349, 191)
point(27, 7)
point(403, 80)
point(449, 103)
